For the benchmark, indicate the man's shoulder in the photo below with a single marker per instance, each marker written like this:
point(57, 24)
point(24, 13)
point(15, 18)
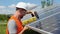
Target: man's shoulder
point(11, 22)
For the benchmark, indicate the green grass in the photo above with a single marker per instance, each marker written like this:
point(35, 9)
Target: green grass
point(2, 28)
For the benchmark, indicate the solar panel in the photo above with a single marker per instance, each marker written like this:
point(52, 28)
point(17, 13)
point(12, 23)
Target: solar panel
point(49, 23)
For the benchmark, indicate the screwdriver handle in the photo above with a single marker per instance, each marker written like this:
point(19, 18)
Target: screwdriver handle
point(36, 14)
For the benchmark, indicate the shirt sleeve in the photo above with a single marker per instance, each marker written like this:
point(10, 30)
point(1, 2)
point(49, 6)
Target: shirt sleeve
point(12, 27)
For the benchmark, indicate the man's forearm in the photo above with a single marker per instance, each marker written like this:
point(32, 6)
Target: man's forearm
point(22, 31)
point(25, 28)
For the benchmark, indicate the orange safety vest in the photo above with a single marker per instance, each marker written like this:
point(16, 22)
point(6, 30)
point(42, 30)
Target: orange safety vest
point(18, 23)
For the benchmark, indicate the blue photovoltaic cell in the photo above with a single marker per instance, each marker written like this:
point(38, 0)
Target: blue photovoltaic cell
point(48, 13)
point(51, 23)
point(58, 25)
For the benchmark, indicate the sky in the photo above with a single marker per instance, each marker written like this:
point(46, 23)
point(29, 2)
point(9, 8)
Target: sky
point(9, 2)
point(8, 5)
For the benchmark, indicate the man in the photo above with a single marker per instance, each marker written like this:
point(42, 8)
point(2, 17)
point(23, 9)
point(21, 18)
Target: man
point(14, 25)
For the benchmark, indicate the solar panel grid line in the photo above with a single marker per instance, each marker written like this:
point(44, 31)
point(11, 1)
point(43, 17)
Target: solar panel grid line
point(48, 24)
point(54, 29)
point(37, 25)
point(48, 10)
point(50, 7)
point(39, 30)
point(49, 16)
point(50, 27)
point(53, 24)
point(45, 18)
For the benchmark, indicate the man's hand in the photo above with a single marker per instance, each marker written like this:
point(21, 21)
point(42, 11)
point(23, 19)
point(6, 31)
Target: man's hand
point(25, 28)
point(29, 12)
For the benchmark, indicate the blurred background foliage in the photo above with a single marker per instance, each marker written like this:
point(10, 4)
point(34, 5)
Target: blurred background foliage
point(4, 17)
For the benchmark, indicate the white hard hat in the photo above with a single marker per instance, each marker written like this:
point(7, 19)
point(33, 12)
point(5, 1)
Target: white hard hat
point(27, 6)
point(21, 5)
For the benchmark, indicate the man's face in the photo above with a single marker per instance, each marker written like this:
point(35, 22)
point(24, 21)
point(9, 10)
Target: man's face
point(22, 12)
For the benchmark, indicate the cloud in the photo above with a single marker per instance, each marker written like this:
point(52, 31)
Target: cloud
point(6, 9)
point(2, 7)
point(31, 6)
point(12, 6)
